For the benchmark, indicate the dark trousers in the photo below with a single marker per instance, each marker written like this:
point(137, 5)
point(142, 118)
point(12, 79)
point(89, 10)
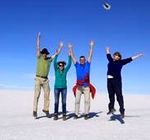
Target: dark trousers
point(57, 92)
point(114, 87)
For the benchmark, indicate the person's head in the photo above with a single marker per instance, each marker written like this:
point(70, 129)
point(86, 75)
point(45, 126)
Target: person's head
point(117, 56)
point(44, 52)
point(61, 65)
point(82, 60)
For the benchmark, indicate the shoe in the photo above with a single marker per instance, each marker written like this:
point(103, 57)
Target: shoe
point(55, 117)
point(122, 115)
point(64, 118)
point(86, 116)
point(114, 110)
point(76, 117)
point(46, 112)
point(111, 111)
point(34, 114)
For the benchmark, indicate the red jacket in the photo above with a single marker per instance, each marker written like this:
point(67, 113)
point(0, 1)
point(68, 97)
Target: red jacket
point(79, 83)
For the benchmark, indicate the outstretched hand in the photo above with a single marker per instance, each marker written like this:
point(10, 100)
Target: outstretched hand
point(107, 50)
point(70, 46)
point(140, 54)
point(60, 45)
point(92, 43)
point(137, 56)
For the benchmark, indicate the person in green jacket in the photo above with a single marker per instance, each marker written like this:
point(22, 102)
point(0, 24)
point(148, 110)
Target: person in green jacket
point(60, 86)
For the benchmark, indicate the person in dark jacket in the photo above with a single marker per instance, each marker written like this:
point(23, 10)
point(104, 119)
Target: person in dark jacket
point(114, 80)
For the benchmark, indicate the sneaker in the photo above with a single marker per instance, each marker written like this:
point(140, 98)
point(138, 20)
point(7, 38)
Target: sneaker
point(55, 117)
point(86, 116)
point(111, 111)
point(34, 114)
point(46, 112)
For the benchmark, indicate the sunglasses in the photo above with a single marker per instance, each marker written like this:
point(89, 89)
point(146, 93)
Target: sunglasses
point(61, 65)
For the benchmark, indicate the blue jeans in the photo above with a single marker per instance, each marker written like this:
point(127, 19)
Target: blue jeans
point(57, 92)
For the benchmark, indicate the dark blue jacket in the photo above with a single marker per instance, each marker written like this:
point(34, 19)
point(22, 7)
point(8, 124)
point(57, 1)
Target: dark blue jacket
point(114, 67)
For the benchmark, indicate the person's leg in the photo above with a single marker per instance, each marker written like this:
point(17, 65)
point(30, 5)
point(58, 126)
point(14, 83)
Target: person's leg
point(111, 93)
point(37, 92)
point(86, 91)
point(119, 95)
point(46, 89)
point(56, 104)
point(77, 101)
point(64, 97)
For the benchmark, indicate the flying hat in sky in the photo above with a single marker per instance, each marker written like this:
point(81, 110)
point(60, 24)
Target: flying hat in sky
point(106, 6)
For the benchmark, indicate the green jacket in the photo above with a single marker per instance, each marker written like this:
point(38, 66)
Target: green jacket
point(60, 76)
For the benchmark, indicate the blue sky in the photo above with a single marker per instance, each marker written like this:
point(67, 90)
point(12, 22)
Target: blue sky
point(124, 28)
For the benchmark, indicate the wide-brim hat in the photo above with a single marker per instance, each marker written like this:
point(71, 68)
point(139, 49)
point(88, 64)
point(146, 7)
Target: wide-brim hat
point(44, 51)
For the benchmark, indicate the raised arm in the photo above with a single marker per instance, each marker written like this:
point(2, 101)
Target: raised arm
point(108, 54)
point(55, 62)
point(71, 52)
point(38, 44)
point(69, 61)
point(91, 45)
point(136, 56)
point(60, 45)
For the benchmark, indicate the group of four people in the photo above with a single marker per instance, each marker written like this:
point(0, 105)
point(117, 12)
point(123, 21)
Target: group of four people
point(83, 85)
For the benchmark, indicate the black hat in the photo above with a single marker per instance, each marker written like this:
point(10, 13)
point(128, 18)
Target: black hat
point(106, 6)
point(44, 51)
point(61, 62)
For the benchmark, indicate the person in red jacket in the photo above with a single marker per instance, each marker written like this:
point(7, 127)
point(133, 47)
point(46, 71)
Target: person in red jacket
point(83, 85)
